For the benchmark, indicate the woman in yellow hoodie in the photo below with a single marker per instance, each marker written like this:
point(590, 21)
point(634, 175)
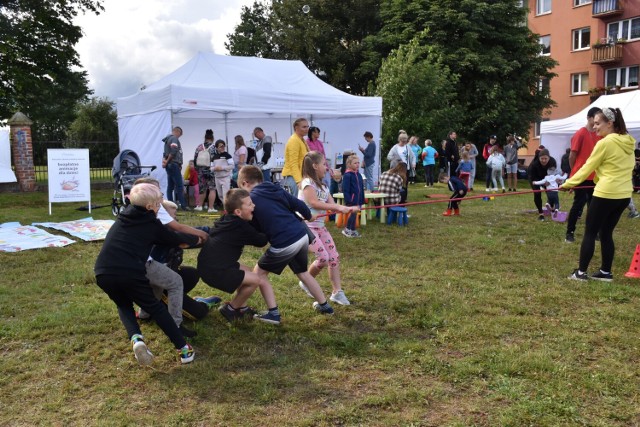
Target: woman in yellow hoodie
point(612, 159)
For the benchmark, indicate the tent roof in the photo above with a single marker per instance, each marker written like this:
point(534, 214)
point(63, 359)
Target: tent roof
point(233, 84)
point(627, 102)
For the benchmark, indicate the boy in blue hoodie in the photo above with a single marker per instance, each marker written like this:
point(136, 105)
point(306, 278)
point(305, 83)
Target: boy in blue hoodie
point(459, 191)
point(353, 190)
point(276, 214)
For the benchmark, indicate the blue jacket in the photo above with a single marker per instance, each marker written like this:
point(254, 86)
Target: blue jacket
point(274, 214)
point(456, 184)
point(353, 188)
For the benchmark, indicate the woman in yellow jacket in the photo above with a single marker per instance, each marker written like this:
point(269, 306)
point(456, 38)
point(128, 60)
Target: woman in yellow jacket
point(612, 159)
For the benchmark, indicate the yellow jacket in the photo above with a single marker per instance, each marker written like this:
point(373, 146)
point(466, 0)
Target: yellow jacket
point(294, 153)
point(612, 159)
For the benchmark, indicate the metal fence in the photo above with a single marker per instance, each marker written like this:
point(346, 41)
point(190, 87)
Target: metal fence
point(101, 155)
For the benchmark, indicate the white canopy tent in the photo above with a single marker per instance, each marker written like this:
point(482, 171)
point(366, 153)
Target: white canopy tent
point(6, 173)
point(556, 135)
point(232, 95)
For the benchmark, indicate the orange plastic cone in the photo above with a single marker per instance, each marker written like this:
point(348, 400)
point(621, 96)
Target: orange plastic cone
point(634, 268)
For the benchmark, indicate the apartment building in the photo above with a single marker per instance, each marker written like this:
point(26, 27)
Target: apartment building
point(597, 46)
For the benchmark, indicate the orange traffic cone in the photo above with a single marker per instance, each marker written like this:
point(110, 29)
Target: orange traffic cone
point(634, 268)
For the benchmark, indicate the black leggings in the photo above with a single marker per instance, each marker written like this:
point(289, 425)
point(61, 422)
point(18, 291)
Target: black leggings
point(428, 174)
point(537, 197)
point(602, 217)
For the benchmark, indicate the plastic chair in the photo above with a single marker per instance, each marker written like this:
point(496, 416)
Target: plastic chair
point(398, 214)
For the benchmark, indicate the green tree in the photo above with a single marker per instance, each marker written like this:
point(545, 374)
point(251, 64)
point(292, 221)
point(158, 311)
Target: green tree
point(37, 57)
point(96, 120)
point(327, 39)
point(419, 93)
point(487, 44)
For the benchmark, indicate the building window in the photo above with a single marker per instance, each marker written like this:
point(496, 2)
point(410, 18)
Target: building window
point(545, 45)
point(538, 127)
point(626, 77)
point(581, 38)
point(543, 6)
point(579, 83)
point(628, 29)
point(544, 85)
point(581, 2)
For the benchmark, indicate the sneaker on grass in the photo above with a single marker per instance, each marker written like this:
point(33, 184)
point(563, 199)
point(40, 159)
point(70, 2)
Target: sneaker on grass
point(604, 277)
point(355, 233)
point(186, 354)
point(210, 301)
point(304, 288)
point(268, 317)
point(569, 238)
point(233, 315)
point(323, 309)
point(340, 298)
point(577, 275)
point(140, 350)
point(212, 210)
point(346, 232)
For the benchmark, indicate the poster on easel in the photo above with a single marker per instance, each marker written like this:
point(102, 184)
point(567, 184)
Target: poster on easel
point(68, 175)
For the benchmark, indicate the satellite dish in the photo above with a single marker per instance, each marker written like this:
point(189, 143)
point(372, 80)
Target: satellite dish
point(306, 8)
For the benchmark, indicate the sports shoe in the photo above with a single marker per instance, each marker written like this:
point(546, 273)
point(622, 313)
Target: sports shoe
point(340, 298)
point(187, 333)
point(346, 232)
point(487, 190)
point(233, 315)
point(186, 354)
point(326, 309)
point(197, 208)
point(569, 238)
point(604, 277)
point(576, 275)
point(210, 301)
point(268, 317)
point(142, 315)
point(354, 233)
point(212, 210)
point(140, 350)
point(541, 217)
point(635, 214)
point(304, 288)
point(503, 190)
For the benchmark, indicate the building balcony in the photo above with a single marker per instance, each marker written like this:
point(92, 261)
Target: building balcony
point(607, 8)
point(606, 54)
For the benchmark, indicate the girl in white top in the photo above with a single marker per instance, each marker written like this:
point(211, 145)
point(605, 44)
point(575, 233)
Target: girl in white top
point(317, 197)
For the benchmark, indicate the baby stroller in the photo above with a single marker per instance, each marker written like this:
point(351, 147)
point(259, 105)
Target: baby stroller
point(126, 169)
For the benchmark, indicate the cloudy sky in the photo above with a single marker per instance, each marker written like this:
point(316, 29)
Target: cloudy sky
point(136, 42)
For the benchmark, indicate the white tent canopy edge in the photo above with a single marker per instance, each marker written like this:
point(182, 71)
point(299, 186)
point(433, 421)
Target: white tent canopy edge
point(233, 95)
point(556, 135)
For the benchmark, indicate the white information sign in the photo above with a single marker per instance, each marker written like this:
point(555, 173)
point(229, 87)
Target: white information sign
point(69, 178)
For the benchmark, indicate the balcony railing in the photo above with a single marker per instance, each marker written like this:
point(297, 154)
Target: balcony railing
point(602, 8)
point(606, 53)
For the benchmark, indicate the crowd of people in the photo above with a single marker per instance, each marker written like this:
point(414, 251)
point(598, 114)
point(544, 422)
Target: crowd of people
point(141, 259)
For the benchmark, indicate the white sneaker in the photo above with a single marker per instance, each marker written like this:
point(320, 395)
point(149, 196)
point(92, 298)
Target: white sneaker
point(140, 350)
point(346, 232)
point(340, 298)
point(212, 210)
point(304, 288)
point(487, 190)
point(197, 208)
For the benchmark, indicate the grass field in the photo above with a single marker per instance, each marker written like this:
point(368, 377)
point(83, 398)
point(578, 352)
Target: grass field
point(455, 321)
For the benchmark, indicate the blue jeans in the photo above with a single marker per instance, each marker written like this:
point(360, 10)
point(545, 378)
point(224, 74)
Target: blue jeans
point(290, 185)
point(175, 183)
point(368, 174)
point(266, 175)
point(351, 222)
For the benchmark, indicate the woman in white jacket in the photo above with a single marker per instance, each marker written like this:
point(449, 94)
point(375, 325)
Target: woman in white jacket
point(401, 152)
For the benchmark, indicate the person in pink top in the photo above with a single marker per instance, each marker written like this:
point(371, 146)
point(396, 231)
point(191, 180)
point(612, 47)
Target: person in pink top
point(315, 144)
point(582, 144)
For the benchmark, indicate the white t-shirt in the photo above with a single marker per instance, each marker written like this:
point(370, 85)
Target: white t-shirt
point(164, 218)
point(321, 193)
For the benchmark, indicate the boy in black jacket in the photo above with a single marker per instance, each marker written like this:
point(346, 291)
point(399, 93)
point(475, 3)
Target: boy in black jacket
point(121, 273)
point(218, 264)
point(459, 191)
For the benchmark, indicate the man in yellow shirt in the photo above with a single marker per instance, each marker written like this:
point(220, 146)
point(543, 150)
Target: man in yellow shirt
point(294, 153)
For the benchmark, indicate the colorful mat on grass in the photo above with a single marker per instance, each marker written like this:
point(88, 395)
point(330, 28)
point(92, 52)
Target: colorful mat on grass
point(86, 229)
point(15, 237)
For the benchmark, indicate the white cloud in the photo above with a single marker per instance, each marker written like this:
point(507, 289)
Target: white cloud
point(137, 42)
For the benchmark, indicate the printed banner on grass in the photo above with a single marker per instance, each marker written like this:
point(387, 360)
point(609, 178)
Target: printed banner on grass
point(15, 237)
point(86, 229)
